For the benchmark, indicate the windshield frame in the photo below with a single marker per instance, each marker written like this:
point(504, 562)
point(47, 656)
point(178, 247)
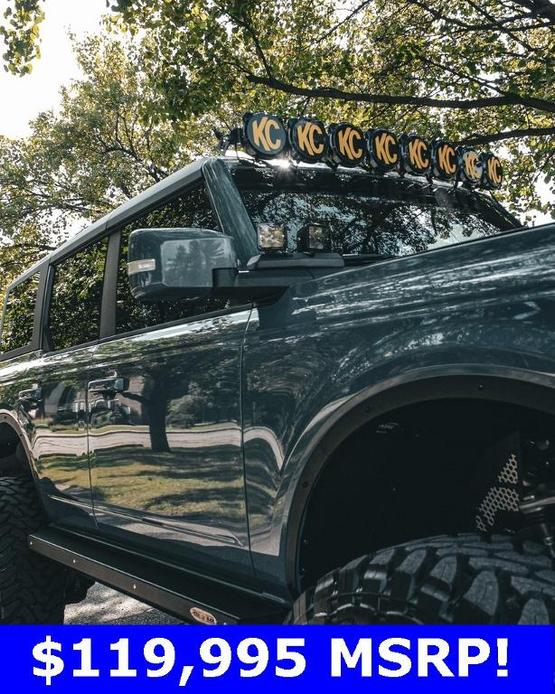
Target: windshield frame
point(266, 176)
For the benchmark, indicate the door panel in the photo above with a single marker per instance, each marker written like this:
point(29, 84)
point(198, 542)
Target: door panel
point(165, 441)
point(61, 440)
point(60, 436)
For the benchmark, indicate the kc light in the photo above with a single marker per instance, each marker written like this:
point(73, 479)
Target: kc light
point(492, 176)
point(271, 237)
point(346, 144)
point(308, 139)
point(264, 135)
point(416, 154)
point(313, 237)
point(383, 150)
point(471, 165)
point(444, 160)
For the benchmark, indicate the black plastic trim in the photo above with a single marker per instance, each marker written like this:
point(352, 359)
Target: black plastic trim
point(109, 289)
point(13, 353)
point(39, 308)
point(173, 590)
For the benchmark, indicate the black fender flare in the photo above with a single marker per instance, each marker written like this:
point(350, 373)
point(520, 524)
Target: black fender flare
point(523, 391)
point(7, 417)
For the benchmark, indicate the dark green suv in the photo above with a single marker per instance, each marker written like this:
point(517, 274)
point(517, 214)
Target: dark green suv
point(254, 374)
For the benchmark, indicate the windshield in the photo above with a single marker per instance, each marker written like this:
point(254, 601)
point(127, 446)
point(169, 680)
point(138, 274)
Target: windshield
point(359, 215)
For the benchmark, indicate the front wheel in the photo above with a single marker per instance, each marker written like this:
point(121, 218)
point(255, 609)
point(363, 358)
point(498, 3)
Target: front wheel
point(464, 579)
point(32, 589)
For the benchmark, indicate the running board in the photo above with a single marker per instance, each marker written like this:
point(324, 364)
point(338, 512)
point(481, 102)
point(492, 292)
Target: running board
point(180, 593)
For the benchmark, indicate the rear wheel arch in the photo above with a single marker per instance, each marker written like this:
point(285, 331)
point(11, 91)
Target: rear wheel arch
point(15, 450)
point(522, 392)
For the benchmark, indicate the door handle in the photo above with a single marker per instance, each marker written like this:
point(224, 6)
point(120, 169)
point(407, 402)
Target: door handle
point(108, 386)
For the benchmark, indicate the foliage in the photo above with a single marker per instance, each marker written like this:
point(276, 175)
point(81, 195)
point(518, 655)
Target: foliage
point(99, 149)
point(17, 323)
point(74, 313)
point(171, 71)
point(475, 72)
point(20, 32)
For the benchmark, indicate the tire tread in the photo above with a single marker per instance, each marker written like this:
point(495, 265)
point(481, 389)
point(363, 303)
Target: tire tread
point(459, 579)
point(32, 589)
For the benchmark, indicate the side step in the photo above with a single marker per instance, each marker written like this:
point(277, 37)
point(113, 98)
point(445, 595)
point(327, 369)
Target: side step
point(180, 593)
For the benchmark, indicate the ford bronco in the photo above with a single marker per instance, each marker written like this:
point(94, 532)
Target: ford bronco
point(288, 384)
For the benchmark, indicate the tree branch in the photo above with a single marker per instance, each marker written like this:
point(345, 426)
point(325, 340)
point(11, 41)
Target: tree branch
point(508, 99)
point(539, 8)
point(481, 139)
point(480, 10)
point(241, 21)
point(31, 246)
point(340, 23)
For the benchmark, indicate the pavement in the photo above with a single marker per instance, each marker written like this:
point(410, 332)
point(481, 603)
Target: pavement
point(106, 606)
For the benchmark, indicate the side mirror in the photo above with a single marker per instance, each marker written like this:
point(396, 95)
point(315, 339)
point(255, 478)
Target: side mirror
point(177, 263)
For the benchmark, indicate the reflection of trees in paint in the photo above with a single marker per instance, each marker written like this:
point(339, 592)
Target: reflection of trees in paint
point(174, 388)
point(190, 209)
point(177, 453)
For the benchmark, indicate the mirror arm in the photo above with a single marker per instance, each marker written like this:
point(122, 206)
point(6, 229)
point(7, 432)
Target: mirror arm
point(269, 275)
point(253, 286)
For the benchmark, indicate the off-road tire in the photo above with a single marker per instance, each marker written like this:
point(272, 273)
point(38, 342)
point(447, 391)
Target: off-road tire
point(32, 589)
point(464, 579)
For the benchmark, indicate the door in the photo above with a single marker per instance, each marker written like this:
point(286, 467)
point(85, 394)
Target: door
point(71, 332)
point(165, 419)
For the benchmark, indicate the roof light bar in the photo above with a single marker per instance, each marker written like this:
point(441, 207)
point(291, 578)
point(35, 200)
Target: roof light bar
point(266, 136)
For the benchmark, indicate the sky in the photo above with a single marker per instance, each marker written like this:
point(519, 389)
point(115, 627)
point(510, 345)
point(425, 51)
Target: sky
point(25, 97)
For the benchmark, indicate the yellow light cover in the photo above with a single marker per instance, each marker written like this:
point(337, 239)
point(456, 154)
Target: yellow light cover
point(471, 166)
point(265, 134)
point(416, 155)
point(493, 171)
point(347, 144)
point(383, 149)
point(307, 139)
point(444, 160)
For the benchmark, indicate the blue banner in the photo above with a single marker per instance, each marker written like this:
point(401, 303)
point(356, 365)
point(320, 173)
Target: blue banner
point(263, 659)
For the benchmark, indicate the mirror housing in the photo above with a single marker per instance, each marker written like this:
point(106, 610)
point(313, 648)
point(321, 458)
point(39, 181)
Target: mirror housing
point(178, 263)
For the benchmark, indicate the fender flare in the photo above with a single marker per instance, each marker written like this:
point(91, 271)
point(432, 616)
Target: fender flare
point(6, 417)
point(524, 389)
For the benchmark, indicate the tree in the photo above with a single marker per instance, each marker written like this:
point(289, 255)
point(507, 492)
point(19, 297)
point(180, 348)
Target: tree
point(20, 32)
point(171, 71)
point(101, 148)
point(477, 72)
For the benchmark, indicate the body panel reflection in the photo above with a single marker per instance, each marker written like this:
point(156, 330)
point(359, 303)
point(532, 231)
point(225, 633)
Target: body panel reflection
point(166, 446)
